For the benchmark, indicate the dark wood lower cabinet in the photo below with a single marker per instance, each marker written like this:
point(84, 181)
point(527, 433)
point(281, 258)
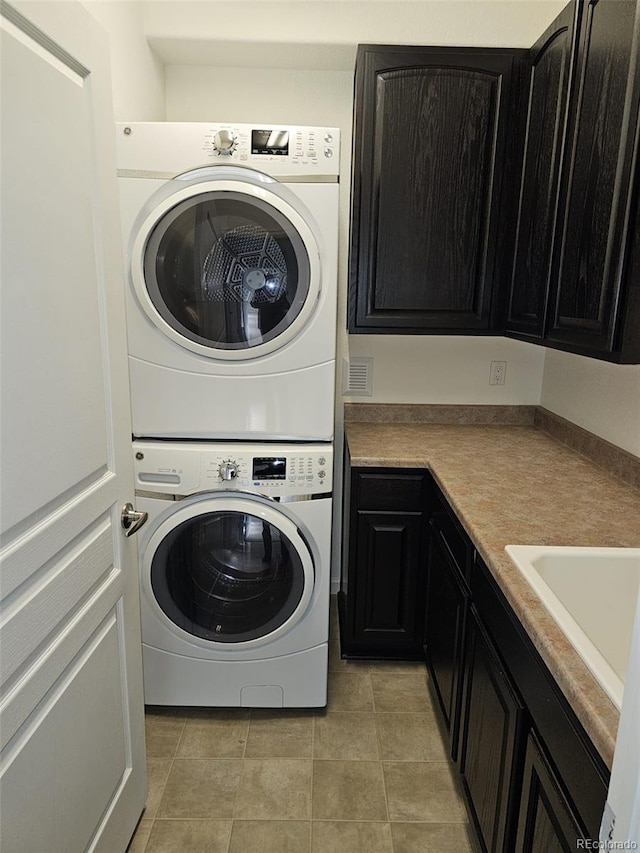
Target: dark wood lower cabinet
point(492, 741)
point(413, 585)
point(546, 822)
point(579, 770)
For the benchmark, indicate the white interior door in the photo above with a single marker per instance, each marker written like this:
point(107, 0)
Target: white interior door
point(71, 712)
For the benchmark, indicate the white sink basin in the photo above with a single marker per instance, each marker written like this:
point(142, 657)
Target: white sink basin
point(591, 593)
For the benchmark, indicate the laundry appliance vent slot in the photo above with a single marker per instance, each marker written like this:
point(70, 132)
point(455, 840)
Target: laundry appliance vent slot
point(358, 377)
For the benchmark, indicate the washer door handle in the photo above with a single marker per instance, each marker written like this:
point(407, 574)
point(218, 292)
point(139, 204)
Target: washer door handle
point(131, 519)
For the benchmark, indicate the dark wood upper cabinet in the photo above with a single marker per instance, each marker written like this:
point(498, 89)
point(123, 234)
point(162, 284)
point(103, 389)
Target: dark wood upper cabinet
point(574, 280)
point(597, 184)
point(549, 67)
point(431, 159)
point(496, 190)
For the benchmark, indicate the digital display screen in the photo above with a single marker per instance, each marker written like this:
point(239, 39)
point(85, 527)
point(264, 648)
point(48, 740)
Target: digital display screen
point(270, 142)
point(269, 468)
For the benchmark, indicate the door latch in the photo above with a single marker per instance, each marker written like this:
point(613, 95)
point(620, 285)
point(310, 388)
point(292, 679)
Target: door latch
point(131, 519)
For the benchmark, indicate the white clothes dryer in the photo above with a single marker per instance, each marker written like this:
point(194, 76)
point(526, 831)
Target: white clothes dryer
point(231, 238)
point(234, 572)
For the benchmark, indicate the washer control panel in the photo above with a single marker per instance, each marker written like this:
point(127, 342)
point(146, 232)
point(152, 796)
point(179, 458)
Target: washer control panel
point(277, 150)
point(272, 469)
point(305, 146)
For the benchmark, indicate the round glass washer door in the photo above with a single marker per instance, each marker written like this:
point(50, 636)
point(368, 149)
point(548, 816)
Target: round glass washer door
point(228, 570)
point(226, 269)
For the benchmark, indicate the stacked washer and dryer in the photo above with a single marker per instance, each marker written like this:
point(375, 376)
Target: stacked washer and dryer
point(231, 241)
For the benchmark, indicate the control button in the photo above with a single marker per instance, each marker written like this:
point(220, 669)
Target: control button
point(309, 476)
point(328, 152)
point(328, 137)
point(322, 461)
point(301, 476)
point(311, 154)
point(322, 474)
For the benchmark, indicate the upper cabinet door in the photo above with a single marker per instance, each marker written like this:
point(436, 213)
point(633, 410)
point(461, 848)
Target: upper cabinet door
point(591, 259)
point(430, 161)
point(549, 74)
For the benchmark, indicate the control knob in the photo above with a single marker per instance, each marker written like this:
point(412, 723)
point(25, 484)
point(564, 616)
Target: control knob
point(228, 470)
point(224, 142)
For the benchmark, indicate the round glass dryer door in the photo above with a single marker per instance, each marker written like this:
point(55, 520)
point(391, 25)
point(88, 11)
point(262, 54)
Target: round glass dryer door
point(227, 269)
point(230, 571)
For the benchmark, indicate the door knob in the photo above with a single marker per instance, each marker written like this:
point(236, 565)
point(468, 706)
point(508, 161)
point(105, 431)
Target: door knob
point(131, 519)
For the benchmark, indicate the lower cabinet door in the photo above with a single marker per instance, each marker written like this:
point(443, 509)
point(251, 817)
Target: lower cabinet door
point(492, 741)
point(389, 584)
point(546, 821)
point(444, 634)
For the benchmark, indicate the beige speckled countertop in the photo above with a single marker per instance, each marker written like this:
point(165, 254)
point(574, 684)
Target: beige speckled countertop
point(515, 485)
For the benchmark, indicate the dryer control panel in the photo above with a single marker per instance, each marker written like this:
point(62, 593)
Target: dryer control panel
point(277, 470)
point(277, 150)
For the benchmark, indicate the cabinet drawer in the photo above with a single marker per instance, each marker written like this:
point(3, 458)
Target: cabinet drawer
point(394, 491)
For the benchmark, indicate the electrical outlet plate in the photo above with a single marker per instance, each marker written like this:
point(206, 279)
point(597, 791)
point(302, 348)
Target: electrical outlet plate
point(498, 373)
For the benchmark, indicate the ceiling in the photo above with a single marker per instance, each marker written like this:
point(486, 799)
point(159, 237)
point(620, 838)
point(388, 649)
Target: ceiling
point(323, 34)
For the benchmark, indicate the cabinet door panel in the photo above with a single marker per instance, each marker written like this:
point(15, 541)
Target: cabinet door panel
point(597, 181)
point(429, 147)
point(444, 633)
point(550, 73)
point(546, 822)
point(383, 580)
point(432, 167)
point(493, 717)
point(387, 587)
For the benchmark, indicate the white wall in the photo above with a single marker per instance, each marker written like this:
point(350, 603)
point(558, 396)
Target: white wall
point(600, 397)
point(445, 369)
point(137, 73)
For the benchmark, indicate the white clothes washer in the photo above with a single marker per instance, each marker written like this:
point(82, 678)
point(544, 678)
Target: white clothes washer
point(234, 572)
point(231, 237)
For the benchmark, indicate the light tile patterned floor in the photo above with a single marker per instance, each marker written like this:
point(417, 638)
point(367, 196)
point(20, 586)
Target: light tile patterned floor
point(368, 774)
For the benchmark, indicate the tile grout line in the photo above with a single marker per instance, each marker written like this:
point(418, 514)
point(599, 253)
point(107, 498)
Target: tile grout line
point(242, 766)
point(161, 793)
point(313, 766)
